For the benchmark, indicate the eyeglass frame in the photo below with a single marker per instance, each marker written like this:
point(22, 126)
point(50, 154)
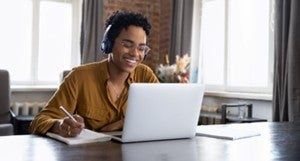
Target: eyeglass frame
point(142, 48)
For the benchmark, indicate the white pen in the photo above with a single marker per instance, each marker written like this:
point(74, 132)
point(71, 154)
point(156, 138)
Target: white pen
point(67, 113)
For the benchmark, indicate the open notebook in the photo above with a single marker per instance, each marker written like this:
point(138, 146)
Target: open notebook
point(86, 136)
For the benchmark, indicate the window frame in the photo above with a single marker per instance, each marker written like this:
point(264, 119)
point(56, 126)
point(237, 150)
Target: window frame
point(225, 90)
point(33, 83)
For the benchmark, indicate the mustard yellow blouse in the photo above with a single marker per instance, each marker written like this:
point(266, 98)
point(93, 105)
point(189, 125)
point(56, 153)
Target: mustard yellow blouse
point(84, 92)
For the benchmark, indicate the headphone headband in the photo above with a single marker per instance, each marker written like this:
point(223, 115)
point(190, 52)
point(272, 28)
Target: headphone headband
point(106, 44)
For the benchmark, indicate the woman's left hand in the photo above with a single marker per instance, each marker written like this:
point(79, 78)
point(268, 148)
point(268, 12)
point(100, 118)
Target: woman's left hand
point(115, 126)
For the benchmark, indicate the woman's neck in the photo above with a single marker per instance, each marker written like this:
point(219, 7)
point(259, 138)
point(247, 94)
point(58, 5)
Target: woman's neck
point(116, 76)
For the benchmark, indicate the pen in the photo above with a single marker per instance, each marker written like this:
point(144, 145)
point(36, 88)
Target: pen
point(67, 113)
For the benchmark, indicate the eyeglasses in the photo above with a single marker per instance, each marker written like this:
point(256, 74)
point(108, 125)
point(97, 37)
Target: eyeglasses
point(142, 49)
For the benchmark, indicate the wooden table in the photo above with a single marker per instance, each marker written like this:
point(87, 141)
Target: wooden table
point(278, 141)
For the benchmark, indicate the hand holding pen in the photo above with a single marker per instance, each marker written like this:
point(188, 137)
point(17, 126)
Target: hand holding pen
point(70, 126)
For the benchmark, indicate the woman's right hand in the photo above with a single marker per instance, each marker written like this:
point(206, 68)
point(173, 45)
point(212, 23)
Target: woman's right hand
point(68, 127)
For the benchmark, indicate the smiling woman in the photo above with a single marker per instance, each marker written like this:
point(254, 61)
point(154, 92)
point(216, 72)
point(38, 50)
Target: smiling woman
point(39, 39)
point(96, 93)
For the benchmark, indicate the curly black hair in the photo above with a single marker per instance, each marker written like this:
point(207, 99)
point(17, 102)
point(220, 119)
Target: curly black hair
point(123, 19)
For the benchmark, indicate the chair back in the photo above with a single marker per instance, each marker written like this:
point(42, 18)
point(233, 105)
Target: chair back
point(4, 96)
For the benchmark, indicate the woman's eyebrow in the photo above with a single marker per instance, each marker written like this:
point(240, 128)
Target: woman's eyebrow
point(128, 40)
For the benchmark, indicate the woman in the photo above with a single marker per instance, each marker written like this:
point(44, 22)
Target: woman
point(96, 93)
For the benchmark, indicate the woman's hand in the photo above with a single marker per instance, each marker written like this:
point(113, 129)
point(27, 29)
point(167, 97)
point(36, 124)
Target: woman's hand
point(116, 126)
point(68, 127)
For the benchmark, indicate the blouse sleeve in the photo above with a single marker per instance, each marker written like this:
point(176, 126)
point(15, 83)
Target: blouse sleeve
point(64, 96)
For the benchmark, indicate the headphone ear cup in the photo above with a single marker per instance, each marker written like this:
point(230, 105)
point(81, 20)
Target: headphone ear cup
point(106, 44)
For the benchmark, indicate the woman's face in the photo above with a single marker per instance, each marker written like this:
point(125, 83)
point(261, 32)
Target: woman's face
point(129, 48)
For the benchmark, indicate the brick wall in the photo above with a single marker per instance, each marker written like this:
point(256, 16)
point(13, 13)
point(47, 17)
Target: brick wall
point(159, 13)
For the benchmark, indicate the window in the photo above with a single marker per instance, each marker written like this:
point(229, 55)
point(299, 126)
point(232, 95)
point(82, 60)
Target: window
point(236, 40)
point(40, 39)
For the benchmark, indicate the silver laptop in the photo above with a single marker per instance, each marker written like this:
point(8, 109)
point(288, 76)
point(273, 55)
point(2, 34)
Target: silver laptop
point(161, 111)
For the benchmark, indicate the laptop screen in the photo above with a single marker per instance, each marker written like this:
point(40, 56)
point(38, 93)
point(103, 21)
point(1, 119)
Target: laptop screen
point(159, 111)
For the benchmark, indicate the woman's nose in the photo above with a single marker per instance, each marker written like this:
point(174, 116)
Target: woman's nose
point(134, 51)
